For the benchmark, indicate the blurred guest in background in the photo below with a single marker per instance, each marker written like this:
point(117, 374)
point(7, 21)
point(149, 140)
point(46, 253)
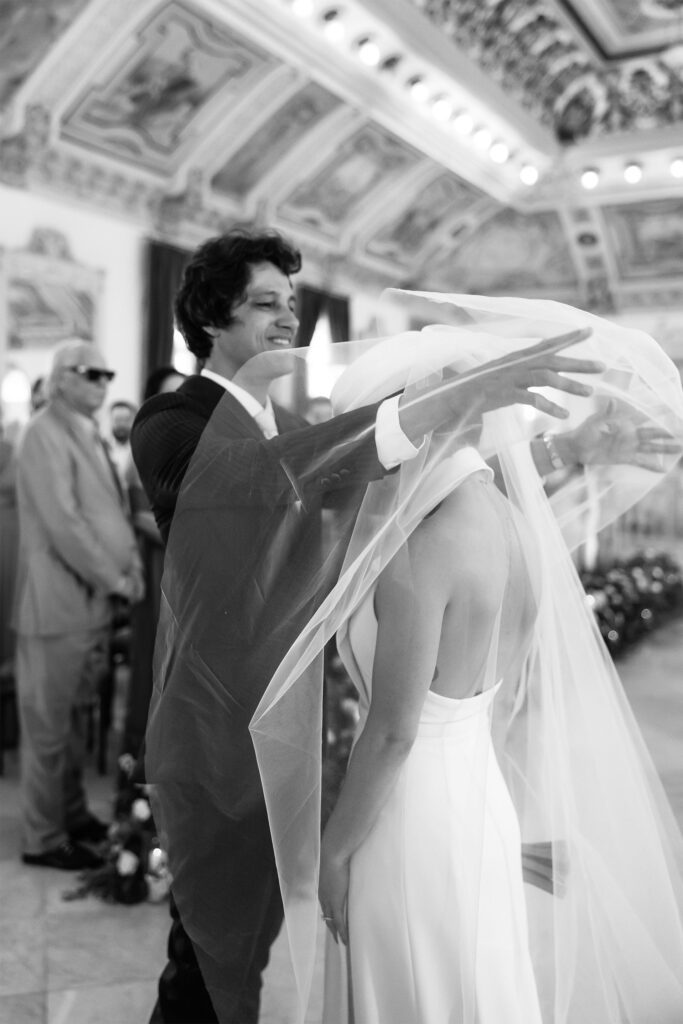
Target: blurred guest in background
point(162, 380)
point(121, 416)
point(77, 551)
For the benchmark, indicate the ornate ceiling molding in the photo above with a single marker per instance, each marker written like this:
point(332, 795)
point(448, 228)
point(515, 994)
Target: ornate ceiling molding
point(537, 53)
point(125, 112)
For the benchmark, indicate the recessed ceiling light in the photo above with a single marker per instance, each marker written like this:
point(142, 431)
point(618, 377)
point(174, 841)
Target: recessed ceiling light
point(482, 138)
point(463, 122)
point(333, 26)
point(590, 178)
point(528, 174)
point(499, 152)
point(676, 167)
point(633, 173)
point(418, 89)
point(368, 52)
point(442, 108)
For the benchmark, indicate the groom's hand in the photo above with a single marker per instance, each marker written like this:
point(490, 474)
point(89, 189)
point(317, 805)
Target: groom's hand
point(507, 381)
point(502, 382)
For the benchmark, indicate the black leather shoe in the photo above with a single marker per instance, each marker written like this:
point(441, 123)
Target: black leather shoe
point(67, 857)
point(92, 830)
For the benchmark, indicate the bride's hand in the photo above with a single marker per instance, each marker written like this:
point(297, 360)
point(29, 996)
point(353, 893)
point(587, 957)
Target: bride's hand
point(617, 435)
point(333, 888)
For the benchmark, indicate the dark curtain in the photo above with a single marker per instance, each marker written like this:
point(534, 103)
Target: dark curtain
point(312, 303)
point(338, 314)
point(165, 265)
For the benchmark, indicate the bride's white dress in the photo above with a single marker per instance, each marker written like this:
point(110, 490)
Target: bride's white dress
point(436, 889)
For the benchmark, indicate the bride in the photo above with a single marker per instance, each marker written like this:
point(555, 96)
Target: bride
point(424, 819)
point(502, 851)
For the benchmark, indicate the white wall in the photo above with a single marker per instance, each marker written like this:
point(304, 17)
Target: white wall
point(112, 246)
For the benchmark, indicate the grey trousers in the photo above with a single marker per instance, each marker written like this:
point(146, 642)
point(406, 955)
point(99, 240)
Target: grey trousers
point(52, 678)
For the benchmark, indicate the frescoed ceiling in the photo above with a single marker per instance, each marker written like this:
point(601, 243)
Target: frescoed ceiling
point(430, 143)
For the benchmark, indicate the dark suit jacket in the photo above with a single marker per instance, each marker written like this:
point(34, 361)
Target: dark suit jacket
point(244, 532)
point(243, 527)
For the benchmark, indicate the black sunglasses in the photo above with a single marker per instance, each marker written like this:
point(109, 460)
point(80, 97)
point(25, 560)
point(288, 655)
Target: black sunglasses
point(92, 374)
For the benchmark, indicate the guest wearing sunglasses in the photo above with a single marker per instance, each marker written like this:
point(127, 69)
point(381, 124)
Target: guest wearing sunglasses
point(77, 550)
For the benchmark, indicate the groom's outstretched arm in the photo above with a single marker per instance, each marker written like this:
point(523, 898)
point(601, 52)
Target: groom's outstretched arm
point(458, 400)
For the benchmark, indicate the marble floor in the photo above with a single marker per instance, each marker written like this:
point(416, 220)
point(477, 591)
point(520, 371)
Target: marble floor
point(86, 962)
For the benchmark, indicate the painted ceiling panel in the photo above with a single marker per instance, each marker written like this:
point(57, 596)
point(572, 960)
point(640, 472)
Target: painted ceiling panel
point(415, 226)
point(368, 160)
point(177, 113)
point(512, 253)
point(282, 131)
point(27, 31)
point(144, 108)
point(648, 238)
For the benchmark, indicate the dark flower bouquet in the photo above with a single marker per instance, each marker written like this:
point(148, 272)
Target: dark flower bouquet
point(134, 866)
point(631, 597)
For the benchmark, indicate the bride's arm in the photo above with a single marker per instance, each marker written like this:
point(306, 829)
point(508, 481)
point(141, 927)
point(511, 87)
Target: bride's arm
point(410, 602)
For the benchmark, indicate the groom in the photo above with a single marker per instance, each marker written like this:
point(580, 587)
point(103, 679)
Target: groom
point(236, 301)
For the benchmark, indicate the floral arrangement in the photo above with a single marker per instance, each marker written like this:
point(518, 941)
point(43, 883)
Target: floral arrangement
point(134, 866)
point(631, 597)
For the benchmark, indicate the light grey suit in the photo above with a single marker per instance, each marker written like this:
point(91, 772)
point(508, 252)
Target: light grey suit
point(75, 543)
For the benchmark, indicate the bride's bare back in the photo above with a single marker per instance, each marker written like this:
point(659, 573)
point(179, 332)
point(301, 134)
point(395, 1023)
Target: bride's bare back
point(465, 564)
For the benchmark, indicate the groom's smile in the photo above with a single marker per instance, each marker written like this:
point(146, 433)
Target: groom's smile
point(264, 320)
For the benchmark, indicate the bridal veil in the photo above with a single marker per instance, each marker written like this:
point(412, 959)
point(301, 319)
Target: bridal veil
point(602, 853)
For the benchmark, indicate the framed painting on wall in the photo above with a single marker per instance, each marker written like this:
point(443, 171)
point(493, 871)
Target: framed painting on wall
point(45, 296)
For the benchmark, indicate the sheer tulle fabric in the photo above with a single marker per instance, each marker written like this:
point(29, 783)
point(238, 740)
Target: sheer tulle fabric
point(436, 909)
point(607, 941)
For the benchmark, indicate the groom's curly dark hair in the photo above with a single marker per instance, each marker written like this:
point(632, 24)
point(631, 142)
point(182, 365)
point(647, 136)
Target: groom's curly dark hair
point(216, 278)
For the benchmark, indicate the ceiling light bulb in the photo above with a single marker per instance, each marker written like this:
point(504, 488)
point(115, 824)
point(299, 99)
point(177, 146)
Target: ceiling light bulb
point(482, 138)
point(368, 52)
point(418, 89)
point(590, 178)
point(302, 8)
point(463, 123)
point(333, 27)
point(528, 174)
point(676, 168)
point(442, 108)
point(499, 152)
point(633, 173)
point(335, 31)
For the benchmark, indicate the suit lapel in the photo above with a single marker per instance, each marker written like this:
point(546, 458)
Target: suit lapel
point(205, 394)
point(287, 420)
